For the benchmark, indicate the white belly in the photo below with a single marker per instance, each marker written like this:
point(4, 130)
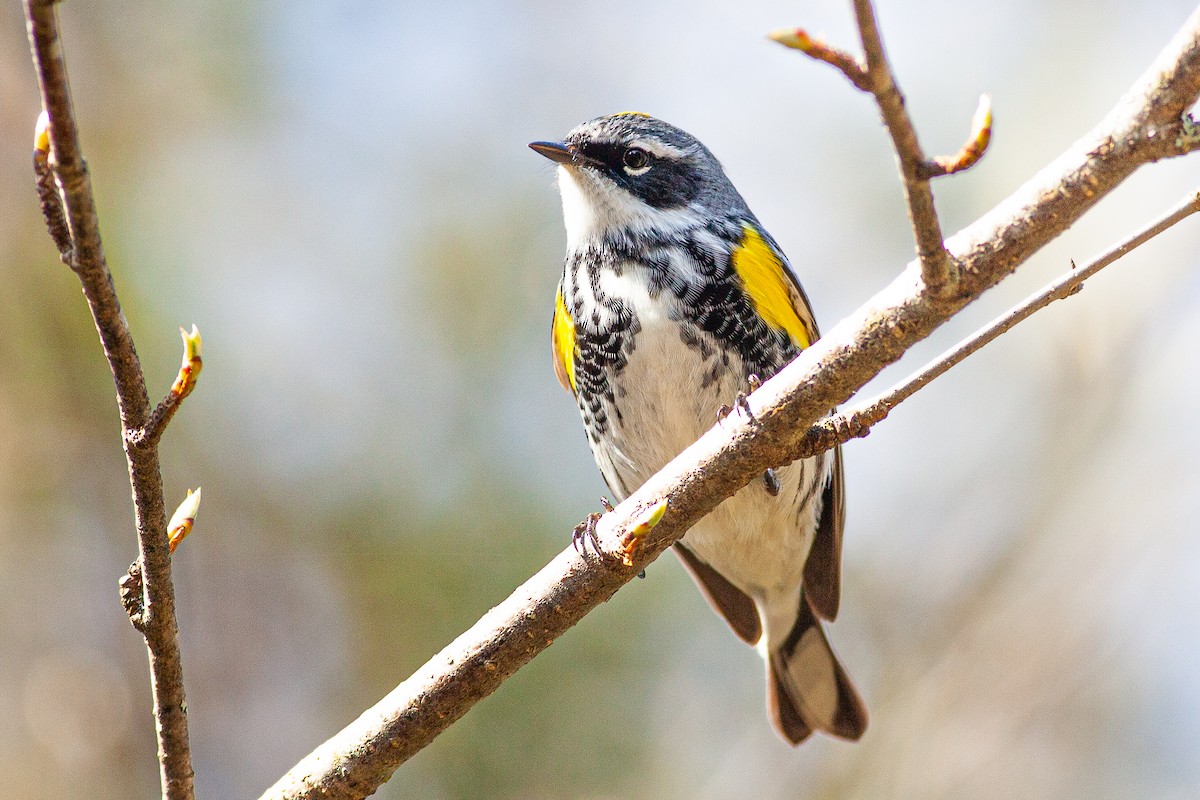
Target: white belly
point(668, 397)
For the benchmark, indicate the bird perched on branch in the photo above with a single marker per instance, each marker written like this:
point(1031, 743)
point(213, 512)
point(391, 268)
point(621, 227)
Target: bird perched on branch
point(675, 301)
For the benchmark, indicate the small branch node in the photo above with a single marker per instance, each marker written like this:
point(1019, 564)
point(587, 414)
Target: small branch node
point(860, 421)
point(48, 192)
point(131, 597)
point(1077, 288)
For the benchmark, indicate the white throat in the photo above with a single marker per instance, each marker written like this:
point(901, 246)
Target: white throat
point(593, 206)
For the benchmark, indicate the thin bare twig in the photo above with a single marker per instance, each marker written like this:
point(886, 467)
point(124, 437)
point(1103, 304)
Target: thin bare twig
point(875, 75)
point(85, 255)
point(1145, 126)
point(937, 268)
point(848, 65)
point(856, 421)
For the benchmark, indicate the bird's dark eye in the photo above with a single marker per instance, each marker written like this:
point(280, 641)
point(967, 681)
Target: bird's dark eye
point(636, 158)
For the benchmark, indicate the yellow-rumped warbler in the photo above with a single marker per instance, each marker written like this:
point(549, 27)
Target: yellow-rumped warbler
point(673, 301)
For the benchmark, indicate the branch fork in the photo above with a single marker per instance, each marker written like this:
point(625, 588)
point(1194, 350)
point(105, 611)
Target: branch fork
point(939, 270)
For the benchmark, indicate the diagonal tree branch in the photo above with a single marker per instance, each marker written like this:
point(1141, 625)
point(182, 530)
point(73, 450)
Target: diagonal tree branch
point(85, 255)
point(1146, 125)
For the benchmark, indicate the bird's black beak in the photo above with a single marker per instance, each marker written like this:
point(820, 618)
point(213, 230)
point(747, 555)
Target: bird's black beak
point(561, 153)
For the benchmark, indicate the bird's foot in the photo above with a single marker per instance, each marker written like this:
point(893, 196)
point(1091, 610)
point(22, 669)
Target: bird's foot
point(585, 532)
point(741, 401)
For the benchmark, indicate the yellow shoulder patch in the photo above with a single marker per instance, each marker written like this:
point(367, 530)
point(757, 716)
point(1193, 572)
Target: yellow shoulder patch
point(769, 287)
point(562, 338)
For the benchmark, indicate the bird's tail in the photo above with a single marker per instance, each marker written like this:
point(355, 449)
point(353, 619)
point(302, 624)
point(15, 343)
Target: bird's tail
point(807, 689)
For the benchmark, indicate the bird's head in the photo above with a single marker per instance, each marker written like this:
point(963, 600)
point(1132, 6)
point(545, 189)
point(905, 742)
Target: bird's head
point(632, 172)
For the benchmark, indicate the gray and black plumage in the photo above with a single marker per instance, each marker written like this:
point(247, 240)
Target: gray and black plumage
point(672, 297)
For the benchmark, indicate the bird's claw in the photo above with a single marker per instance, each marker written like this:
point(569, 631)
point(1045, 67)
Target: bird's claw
point(741, 401)
point(771, 481)
point(631, 540)
point(585, 534)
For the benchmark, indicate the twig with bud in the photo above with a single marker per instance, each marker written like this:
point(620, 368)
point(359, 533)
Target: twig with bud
point(184, 383)
point(181, 524)
point(65, 194)
point(874, 74)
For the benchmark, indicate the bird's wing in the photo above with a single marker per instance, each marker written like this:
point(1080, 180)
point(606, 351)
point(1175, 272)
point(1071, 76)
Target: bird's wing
point(823, 569)
point(772, 287)
point(562, 340)
point(730, 602)
point(779, 298)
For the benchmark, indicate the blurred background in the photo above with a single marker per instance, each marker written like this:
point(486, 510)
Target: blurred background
point(340, 196)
